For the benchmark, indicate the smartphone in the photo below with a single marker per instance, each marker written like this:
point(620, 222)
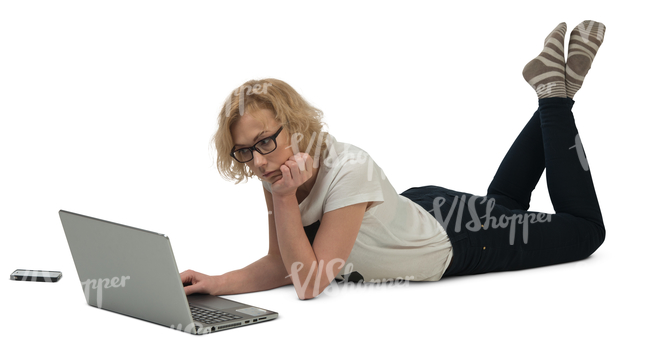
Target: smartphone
point(36, 275)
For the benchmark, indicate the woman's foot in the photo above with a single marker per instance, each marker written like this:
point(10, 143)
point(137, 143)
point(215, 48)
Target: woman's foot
point(585, 40)
point(545, 73)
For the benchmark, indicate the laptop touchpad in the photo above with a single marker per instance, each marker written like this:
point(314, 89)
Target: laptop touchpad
point(213, 302)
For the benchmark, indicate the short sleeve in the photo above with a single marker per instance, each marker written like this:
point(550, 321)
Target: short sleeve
point(357, 180)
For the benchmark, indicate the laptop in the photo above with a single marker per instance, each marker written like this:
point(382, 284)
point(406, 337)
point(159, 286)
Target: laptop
point(133, 272)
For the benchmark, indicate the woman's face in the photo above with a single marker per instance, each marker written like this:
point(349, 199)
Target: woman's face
point(248, 131)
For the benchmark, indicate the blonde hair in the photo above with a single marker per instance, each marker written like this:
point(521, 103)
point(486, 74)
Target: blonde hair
point(302, 121)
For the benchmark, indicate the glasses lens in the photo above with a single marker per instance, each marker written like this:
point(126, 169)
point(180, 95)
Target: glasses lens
point(266, 146)
point(243, 155)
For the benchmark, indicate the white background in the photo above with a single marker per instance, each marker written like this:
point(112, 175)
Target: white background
point(107, 109)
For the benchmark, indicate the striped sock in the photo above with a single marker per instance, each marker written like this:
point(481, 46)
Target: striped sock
point(585, 40)
point(545, 73)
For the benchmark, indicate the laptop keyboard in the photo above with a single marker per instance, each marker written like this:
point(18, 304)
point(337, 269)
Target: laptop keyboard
point(211, 316)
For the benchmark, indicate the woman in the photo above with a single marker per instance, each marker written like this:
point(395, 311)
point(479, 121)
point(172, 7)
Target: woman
point(333, 213)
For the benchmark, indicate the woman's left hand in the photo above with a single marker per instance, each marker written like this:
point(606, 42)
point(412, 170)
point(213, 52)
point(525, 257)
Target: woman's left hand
point(295, 172)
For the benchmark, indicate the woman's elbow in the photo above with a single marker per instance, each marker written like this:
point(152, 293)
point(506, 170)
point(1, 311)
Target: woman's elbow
point(309, 293)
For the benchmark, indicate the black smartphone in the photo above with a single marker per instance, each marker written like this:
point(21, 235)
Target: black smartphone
point(36, 275)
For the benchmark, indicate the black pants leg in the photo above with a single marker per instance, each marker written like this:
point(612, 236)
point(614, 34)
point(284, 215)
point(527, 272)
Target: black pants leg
point(495, 232)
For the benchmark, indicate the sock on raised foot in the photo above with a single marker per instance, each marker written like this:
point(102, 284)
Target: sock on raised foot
point(545, 73)
point(584, 42)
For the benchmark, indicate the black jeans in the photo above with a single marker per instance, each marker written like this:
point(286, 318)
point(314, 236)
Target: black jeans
point(495, 232)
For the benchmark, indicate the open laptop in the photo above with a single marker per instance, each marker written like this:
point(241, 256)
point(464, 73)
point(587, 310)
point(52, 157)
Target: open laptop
point(133, 272)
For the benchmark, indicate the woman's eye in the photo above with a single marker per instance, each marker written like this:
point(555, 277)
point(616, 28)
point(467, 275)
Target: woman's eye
point(265, 144)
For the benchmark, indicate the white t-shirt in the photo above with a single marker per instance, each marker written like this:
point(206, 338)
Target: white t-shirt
point(397, 238)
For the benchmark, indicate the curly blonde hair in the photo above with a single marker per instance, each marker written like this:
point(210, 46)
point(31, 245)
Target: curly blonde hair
point(302, 121)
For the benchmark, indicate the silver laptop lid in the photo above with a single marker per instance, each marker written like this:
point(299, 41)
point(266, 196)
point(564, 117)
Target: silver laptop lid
point(127, 270)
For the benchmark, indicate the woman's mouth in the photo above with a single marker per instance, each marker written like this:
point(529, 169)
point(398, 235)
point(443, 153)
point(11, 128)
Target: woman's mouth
point(269, 174)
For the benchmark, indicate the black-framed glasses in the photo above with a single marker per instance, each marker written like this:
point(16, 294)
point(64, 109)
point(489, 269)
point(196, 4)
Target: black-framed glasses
point(264, 147)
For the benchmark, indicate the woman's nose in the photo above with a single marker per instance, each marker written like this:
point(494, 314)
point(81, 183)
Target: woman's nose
point(258, 159)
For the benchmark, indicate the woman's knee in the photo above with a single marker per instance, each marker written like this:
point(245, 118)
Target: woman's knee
point(596, 236)
point(601, 233)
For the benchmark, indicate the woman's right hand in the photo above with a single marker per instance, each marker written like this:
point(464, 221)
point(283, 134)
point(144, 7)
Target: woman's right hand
point(196, 282)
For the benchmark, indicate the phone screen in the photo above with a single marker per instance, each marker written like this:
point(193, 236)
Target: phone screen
point(34, 273)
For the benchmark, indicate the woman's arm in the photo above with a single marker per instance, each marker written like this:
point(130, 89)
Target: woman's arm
point(264, 274)
point(312, 268)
